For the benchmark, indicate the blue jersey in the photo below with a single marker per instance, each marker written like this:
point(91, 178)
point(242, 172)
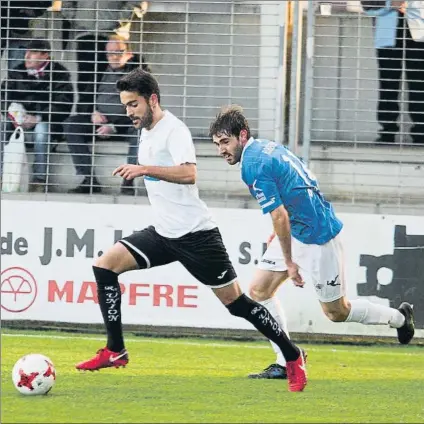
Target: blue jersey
point(275, 176)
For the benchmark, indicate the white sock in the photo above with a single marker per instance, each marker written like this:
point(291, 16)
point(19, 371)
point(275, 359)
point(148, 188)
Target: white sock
point(275, 309)
point(368, 313)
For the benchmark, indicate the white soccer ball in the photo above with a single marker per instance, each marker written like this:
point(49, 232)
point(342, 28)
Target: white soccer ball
point(34, 374)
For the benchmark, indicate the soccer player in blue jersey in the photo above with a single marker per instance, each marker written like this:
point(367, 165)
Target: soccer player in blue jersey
point(307, 246)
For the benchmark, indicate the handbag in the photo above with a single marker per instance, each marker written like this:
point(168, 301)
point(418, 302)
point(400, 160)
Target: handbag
point(14, 160)
point(415, 17)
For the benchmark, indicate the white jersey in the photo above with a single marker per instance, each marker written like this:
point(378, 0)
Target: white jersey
point(177, 208)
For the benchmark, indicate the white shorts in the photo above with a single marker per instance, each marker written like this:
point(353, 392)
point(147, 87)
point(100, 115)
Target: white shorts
point(320, 265)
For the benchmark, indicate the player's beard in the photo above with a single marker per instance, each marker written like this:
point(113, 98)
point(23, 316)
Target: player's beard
point(146, 120)
point(237, 153)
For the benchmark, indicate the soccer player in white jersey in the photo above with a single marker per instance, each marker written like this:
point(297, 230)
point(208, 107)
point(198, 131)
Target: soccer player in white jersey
point(307, 247)
point(183, 230)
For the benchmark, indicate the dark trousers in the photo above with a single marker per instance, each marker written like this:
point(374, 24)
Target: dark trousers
point(80, 136)
point(407, 55)
point(92, 63)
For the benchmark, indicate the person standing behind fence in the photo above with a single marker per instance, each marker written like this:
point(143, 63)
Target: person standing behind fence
point(398, 49)
point(42, 91)
point(91, 23)
point(107, 116)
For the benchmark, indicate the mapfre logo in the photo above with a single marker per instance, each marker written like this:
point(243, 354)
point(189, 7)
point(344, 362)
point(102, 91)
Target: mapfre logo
point(18, 289)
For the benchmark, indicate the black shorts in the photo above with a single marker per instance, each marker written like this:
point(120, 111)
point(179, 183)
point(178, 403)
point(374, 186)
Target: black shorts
point(202, 253)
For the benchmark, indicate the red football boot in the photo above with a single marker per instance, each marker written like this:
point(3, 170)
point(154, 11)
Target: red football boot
point(296, 374)
point(104, 358)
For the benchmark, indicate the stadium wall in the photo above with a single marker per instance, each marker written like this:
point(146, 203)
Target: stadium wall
point(46, 269)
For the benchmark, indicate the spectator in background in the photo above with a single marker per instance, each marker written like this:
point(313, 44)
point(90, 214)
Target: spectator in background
point(107, 117)
point(397, 50)
point(41, 90)
point(91, 22)
point(15, 22)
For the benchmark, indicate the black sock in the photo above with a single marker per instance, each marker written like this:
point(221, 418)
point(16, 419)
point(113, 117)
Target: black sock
point(259, 316)
point(109, 295)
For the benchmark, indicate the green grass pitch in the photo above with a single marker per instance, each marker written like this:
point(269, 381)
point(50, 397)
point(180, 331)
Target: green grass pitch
point(194, 380)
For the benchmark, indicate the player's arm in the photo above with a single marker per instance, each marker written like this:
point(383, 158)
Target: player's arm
point(181, 148)
point(281, 224)
point(179, 174)
point(269, 199)
point(268, 196)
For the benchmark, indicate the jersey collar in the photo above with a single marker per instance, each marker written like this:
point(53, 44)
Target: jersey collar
point(251, 140)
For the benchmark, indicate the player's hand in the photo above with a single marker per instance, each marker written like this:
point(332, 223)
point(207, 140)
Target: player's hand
point(130, 172)
point(293, 271)
point(270, 238)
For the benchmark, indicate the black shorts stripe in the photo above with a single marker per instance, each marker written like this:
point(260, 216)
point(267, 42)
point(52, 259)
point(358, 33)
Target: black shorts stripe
point(137, 253)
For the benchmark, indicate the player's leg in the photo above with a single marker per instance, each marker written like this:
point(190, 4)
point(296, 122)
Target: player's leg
point(271, 273)
point(204, 255)
point(263, 290)
point(368, 313)
point(141, 250)
point(239, 305)
point(106, 269)
point(331, 289)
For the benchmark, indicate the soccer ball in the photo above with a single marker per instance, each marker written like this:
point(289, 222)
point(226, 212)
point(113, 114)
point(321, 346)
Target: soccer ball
point(34, 374)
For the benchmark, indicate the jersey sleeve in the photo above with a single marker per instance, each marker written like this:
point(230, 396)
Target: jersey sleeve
point(264, 188)
point(181, 147)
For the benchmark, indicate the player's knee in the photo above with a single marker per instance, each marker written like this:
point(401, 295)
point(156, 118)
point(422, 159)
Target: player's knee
point(241, 307)
point(337, 314)
point(338, 310)
point(107, 261)
point(260, 292)
point(256, 293)
point(102, 262)
point(116, 259)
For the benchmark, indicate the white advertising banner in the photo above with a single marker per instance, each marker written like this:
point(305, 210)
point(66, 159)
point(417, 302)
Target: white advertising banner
point(48, 249)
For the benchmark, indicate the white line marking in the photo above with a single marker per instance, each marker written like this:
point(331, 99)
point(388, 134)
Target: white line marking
point(141, 340)
point(206, 344)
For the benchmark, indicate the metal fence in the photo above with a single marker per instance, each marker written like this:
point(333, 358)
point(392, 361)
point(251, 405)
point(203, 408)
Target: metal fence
point(363, 105)
point(204, 54)
point(306, 76)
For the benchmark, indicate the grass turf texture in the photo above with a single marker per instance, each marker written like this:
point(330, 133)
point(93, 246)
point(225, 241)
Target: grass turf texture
point(205, 381)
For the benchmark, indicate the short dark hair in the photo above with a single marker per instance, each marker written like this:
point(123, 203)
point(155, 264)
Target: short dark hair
point(141, 82)
point(230, 121)
point(38, 45)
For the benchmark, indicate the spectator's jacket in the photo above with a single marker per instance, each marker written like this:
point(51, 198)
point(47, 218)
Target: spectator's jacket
point(97, 16)
point(386, 19)
point(107, 99)
point(35, 93)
